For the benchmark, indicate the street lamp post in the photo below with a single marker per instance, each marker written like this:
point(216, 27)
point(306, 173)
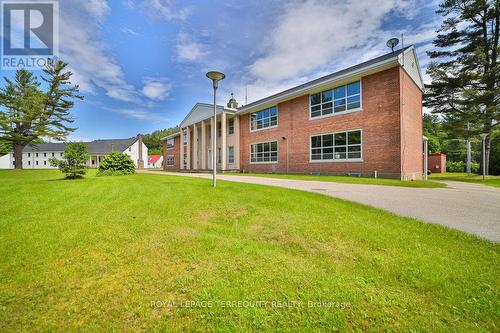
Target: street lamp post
point(426, 156)
point(483, 137)
point(215, 77)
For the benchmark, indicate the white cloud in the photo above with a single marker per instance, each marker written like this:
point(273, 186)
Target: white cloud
point(129, 31)
point(165, 9)
point(97, 8)
point(310, 34)
point(156, 89)
point(90, 59)
point(189, 51)
point(138, 114)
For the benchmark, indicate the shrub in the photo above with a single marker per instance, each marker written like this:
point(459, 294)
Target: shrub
point(73, 162)
point(474, 167)
point(116, 164)
point(455, 166)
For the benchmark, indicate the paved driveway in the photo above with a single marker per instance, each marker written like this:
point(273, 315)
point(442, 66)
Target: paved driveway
point(473, 208)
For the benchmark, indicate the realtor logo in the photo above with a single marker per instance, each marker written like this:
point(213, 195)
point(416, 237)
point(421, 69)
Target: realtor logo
point(30, 31)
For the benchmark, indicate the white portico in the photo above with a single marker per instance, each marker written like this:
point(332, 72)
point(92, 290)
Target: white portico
point(196, 138)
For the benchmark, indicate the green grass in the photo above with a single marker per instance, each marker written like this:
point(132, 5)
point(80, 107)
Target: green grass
point(350, 179)
point(463, 177)
point(93, 254)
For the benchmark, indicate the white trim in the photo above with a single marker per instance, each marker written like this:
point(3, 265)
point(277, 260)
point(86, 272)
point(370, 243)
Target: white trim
point(264, 128)
point(270, 162)
point(335, 114)
point(347, 160)
point(360, 108)
point(304, 90)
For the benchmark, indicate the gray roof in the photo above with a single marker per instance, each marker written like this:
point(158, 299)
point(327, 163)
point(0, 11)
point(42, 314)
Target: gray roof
point(108, 146)
point(311, 84)
point(59, 146)
point(94, 147)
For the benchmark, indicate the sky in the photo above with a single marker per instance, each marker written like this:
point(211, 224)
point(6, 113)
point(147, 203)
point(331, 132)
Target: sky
point(141, 64)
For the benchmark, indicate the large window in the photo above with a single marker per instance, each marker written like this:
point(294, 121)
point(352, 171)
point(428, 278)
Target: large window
point(170, 143)
point(170, 160)
point(339, 99)
point(230, 126)
point(264, 119)
point(337, 146)
point(264, 152)
point(230, 154)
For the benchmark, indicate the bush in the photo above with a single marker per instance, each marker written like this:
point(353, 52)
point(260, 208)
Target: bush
point(116, 164)
point(461, 167)
point(73, 162)
point(455, 166)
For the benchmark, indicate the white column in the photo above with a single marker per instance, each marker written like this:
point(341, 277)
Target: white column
point(195, 147)
point(203, 146)
point(237, 141)
point(182, 149)
point(188, 148)
point(223, 141)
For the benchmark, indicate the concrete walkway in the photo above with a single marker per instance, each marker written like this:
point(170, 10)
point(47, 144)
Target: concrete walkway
point(473, 208)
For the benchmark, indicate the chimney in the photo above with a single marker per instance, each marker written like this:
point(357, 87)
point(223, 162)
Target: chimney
point(140, 161)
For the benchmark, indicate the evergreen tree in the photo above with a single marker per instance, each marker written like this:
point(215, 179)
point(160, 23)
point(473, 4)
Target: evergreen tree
point(465, 86)
point(28, 114)
point(73, 165)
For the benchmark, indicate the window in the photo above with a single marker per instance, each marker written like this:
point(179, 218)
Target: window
point(44, 154)
point(53, 154)
point(339, 99)
point(230, 154)
point(219, 159)
point(185, 161)
point(219, 129)
point(44, 162)
point(184, 137)
point(230, 126)
point(264, 152)
point(264, 119)
point(62, 154)
point(170, 143)
point(170, 160)
point(36, 162)
point(36, 154)
point(29, 154)
point(337, 146)
point(29, 162)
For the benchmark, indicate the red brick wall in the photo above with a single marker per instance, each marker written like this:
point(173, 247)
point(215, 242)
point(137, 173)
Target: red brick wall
point(379, 121)
point(437, 163)
point(411, 124)
point(176, 151)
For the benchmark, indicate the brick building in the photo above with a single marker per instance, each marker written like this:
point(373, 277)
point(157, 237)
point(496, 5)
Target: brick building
point(366, 120)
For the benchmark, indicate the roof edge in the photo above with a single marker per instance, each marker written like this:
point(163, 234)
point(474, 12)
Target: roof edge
point(331, 78)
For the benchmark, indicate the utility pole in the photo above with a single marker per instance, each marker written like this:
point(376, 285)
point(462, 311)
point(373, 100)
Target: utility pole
point(469, 159)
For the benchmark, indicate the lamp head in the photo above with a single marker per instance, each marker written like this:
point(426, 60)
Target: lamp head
point(215, 76)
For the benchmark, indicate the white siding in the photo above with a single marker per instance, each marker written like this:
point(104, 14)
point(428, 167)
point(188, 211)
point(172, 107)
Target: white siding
point(133, 152)
point(6, 161)
point(412, 66)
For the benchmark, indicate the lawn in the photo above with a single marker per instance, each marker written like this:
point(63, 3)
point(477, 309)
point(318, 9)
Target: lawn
point(350, 179)
point(463, 177)
point(165, 253)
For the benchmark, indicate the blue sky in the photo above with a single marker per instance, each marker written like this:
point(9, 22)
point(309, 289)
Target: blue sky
point(141, 64)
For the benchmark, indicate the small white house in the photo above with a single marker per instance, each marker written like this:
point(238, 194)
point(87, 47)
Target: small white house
point(37, 157)
point(155, 161)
